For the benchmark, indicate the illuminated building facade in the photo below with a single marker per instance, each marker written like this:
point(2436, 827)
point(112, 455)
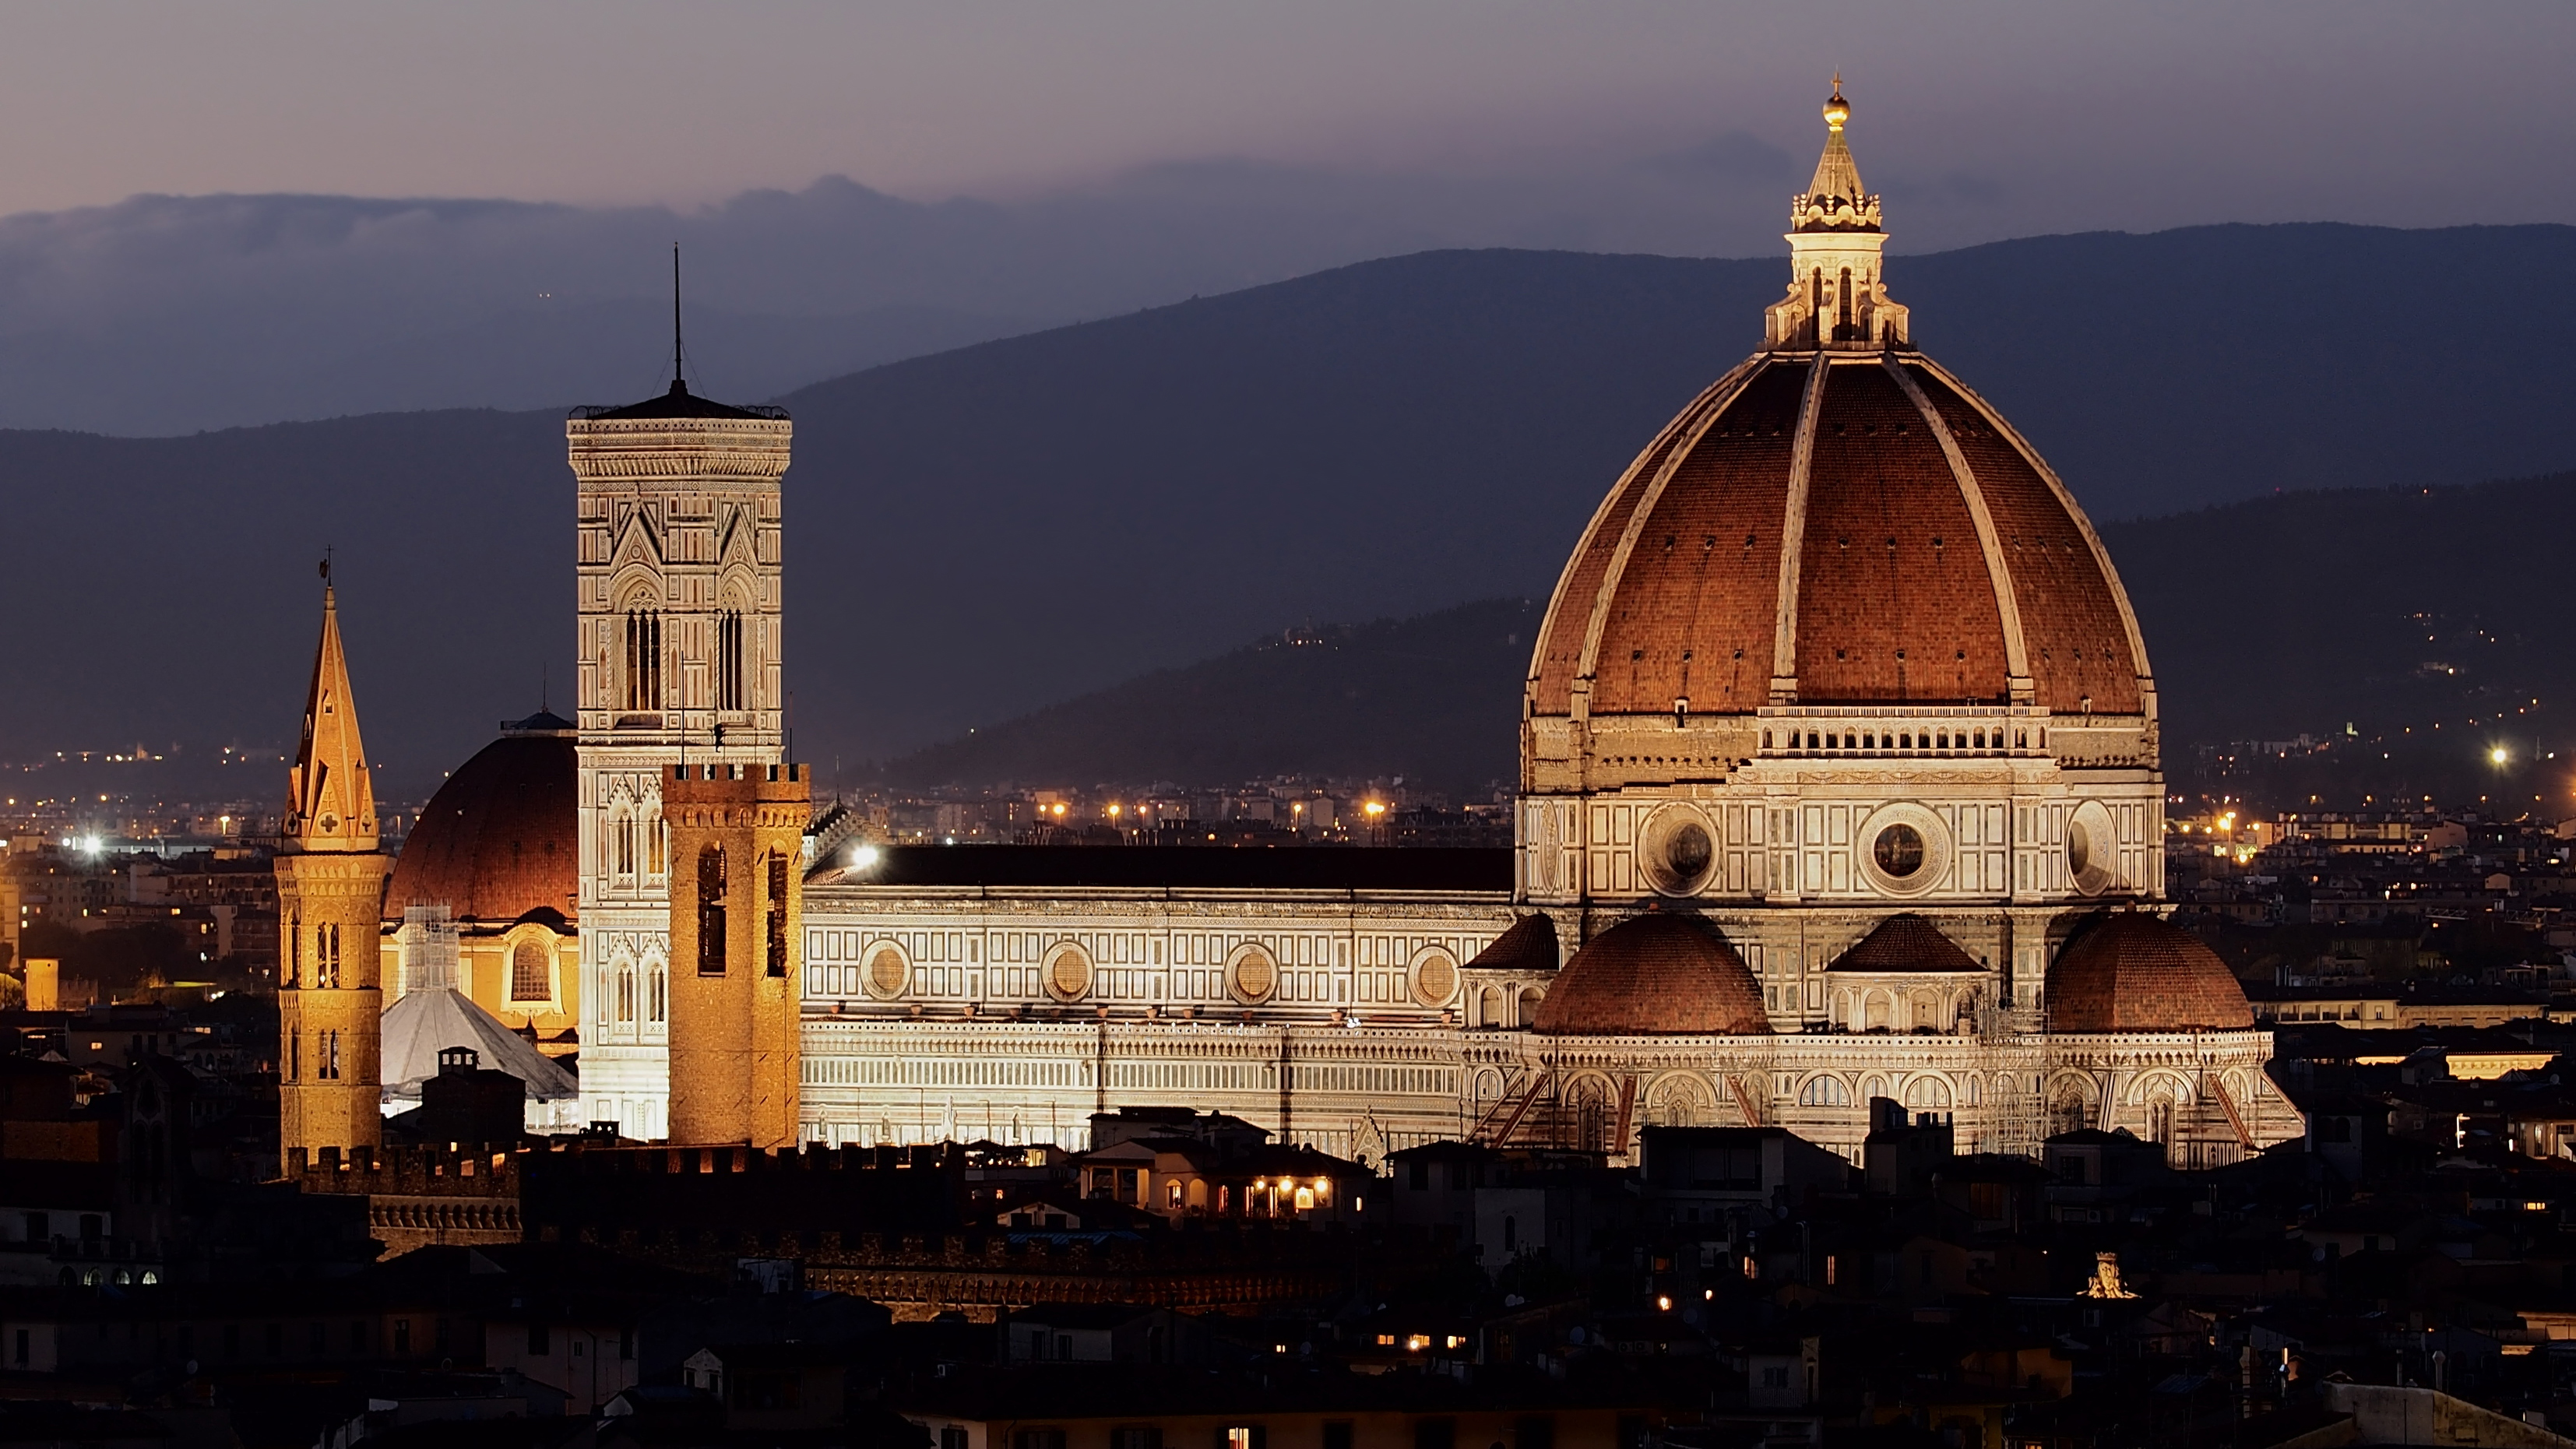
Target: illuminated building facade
point(1839, 781)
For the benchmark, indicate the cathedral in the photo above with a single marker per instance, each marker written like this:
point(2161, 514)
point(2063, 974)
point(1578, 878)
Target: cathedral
point(1839, 781)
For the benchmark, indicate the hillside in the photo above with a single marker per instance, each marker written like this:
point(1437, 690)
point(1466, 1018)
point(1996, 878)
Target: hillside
point(1432, 699)
point(2383, 610)
point(980, 533)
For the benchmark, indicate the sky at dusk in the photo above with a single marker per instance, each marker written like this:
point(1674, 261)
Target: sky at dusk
point(262, 211)
point(1983, 119)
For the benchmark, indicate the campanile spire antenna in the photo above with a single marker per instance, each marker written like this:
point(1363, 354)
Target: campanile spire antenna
point(679, 357)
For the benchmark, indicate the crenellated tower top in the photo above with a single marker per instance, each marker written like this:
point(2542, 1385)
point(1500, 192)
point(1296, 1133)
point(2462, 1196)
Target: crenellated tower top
point(1837, 293)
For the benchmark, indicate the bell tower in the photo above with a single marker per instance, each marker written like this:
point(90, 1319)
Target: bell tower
point(330, 888)
point(737, 942)
point(679, 647)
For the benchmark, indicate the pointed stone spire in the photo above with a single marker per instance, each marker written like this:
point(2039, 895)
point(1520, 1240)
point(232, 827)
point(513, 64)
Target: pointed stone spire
point(1837, 294)
point(332, 804)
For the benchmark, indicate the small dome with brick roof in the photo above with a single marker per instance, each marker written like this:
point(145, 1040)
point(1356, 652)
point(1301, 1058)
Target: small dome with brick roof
point(1838, 521)
point(500, 840)
point(1905, 942)
point(1654, 975)
point(2129, 971)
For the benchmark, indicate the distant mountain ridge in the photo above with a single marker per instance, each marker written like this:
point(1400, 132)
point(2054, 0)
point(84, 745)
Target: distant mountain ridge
point(1431, 699)
point(2241, 652)
point(983, 532)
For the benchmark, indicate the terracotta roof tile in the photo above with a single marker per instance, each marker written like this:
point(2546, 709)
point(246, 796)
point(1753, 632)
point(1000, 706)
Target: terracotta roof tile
point(2130, 971)
point(1905, 942)
point(1528, 945)
point(500, 839)
point(1654, 975)
point(1896, 599)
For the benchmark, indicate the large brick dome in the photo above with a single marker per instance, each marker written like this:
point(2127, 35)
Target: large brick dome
point(2129, 971)
point(1827, 527)
point(500, 839)
point(1654, 975)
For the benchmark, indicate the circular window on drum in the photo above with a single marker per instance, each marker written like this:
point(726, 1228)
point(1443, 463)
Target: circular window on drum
point(1678, 849)
point(1435, 976)
point(1903, 849)
point(2092, 848)
point(889, 971)
point(1068, 972)
point(1251, 974)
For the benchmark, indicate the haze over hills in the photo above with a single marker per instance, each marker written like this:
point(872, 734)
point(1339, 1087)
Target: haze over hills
point(984, 532)
point(169, 314)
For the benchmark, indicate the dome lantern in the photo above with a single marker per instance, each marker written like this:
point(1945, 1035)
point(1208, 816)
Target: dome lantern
point(1837, 293)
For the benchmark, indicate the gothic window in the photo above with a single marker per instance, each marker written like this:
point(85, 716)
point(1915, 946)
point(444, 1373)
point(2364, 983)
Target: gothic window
point(1824, 1091)
point(711, 911)
point(729, 659)
point(626, 991)
point(326, 1056)
point(643, 659)
point(776, 906)
point(657, 992)
point(294, 1057)
point(656, 839)
point(295, 949)
point(531, 972)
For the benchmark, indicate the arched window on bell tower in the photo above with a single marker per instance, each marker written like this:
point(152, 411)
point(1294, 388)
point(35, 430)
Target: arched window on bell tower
point(643, 659)
point(729, 660)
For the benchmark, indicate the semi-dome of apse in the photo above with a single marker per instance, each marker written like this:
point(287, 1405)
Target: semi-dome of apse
point(1654, 975)
point(1905, 942)
point(2131, 971)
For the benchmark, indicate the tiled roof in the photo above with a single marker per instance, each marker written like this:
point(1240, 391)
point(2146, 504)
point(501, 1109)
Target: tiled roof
point(1905, 942)
point(1654, 975)
point(2130, 971)
point(1174, 867)
point(1529, 945)
point(679, 402)
point(500, 839)
point(1898, 594)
